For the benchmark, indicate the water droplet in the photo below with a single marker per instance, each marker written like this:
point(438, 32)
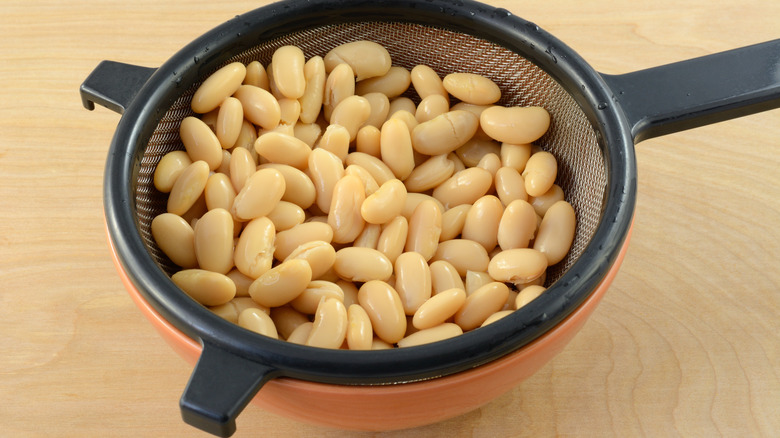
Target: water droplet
point(549, 51)
point(602, 105)
point(196, 59)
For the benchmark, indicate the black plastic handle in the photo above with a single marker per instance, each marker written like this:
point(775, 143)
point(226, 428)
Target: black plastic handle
point(113, 85)
point(700, 91)
point(219, 388)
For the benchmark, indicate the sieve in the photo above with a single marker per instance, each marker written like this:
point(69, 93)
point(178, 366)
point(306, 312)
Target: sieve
point(596, 121)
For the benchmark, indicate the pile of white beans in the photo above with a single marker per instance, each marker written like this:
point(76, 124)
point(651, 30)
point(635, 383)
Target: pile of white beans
point(315, 203)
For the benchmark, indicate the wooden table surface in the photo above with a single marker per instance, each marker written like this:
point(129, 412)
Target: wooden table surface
point(686, 342)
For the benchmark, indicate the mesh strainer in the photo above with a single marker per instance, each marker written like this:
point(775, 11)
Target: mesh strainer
point(595, 121)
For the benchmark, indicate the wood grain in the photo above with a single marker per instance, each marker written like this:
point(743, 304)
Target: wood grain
point(686, 342)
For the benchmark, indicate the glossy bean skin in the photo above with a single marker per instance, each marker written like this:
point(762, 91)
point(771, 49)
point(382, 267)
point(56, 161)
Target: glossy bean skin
point(351, 113)
point(308, 133)
point(317, 290)
point(242, 166)
point(362, 264)
point(369, 237)
point(445, 276)
point(260, 194)
point(290, 111)
point(515, 155)
point(391, 84)
point(281, 284)
point(283, 149)
point(510, 185)
point(286, 319)
point(517, 226)
point(431, 107)
point(360, 333)
point(491, 163)
point(256, 75)
point(254, 252)
point(540, 173)
point(424, 229)
point(176, 239)
point(475, 149)
point(385, 203)
point(169, 168)
point(366, 58)
point(380, 108)
point(219, 192)
point(233, 308)
point(519, 265)
point(481, 304)
point(412, 281)
point(214, 241)
point(369, 183)
point(329, 328)
point(368, 141)
point(318, 253)
point(288, 71)
point(475, 280)
point(311, 101)
point(433, 334)
point(444, 133)
point(496, 316)
point(464, 187)
point(260, 106)
point(528, 294)
point(286, 215)
point(206, 287)
point(288, 241)
point(395, 143)
point(301, 333)
point(516, 125)
point(219, 85)
point(482, 221)
point(439, 308)
point(229, 121)
point(383, 306)
point(427, 82)
point(258, 321)
point(298, 187)
point(465, 255)
point(413, 200)
point(339, 85)
point(472, 88)
point(241, 281)
point(431, 173)
point(344, 215)
point(542, 203)
point(325, 170)
point(200, 142)
point(350, 292)
point(376, 167)
point(556, 232)
point(392, 239)
point(452, 221)
point(224, 167)
point(335, 139)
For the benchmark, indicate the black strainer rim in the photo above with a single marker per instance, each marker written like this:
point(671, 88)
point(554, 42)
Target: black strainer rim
point(280, 358)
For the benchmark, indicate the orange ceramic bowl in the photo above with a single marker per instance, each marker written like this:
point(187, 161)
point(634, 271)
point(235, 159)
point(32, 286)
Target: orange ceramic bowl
point(401, 405)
